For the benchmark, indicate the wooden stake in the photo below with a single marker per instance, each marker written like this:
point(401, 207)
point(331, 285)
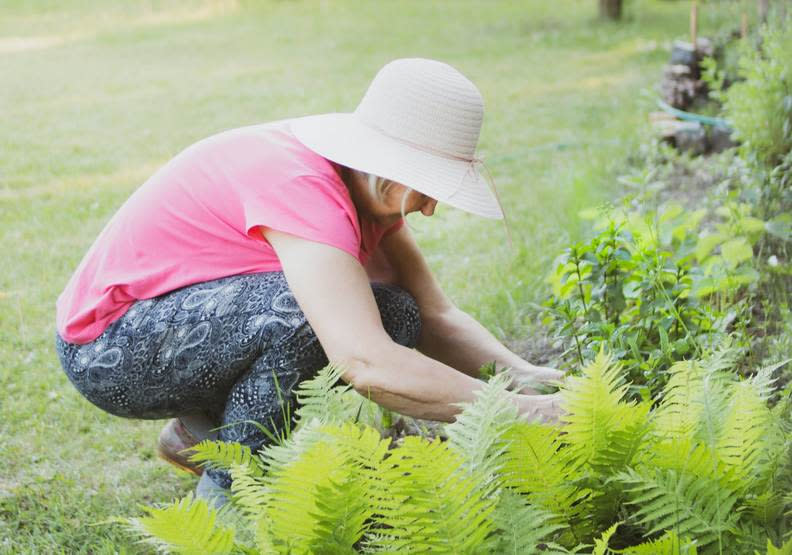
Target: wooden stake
point(744, 25)
point(694, 24)
point(764, 8)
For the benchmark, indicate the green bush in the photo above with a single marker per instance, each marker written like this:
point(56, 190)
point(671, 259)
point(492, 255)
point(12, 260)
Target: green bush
point(657, 287)
point(759, 106)
point(708, 470)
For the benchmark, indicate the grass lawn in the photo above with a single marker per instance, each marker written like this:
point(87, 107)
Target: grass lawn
point(94, 96)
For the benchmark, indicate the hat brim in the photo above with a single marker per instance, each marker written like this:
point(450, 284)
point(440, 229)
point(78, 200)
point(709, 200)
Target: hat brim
point(342, 138)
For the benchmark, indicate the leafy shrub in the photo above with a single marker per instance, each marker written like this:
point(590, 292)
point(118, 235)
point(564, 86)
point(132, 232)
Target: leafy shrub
point(654, 288)
point(708, 470)
point(759, 106)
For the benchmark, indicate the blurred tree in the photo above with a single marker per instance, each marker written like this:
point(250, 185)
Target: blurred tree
point(610, 9)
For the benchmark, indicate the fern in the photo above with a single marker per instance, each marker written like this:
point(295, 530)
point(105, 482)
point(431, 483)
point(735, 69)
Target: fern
point(690, 505)
point(225, 455)
point(626, 442)
point(187, 526)
point(319, 398)
point(668, 544)
point(785, 549)
point(249, 492)
point(521, 527)
point(601, 543)
point(712, 463)
point(535, 464)
point(742, 442)
point(478, 433)
point(678, 414)
point(308, 505)
point(430, 506)
point(595, 411)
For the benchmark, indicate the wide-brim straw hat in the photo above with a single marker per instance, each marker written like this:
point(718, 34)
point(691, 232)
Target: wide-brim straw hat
point(418, 124)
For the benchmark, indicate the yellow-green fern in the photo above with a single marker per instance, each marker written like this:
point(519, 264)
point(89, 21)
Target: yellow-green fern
point(188, 526)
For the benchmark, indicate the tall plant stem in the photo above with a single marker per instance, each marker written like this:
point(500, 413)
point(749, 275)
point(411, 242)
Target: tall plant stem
point(579, 283)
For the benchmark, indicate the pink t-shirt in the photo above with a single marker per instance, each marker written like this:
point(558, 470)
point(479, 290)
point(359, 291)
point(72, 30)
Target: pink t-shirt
point(198, 218)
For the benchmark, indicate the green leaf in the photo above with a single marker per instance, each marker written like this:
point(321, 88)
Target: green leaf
point(601, 543)
point(667, 544)
point(478, 431)
point(780, 226)
point(785, 549)
point(693, 506)
point(225, 455)
point(736, 251)
point(432, 503)
point(187, 526)
point(706, 243)
point(751, 225)
point(522, 528)
point(536, 465)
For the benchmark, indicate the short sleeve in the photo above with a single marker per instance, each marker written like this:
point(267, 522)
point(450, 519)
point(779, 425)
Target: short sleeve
point(312, 207)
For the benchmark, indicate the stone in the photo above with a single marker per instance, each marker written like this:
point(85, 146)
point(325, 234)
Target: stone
point(683, 53)
point(720, 138)
point(690, 136)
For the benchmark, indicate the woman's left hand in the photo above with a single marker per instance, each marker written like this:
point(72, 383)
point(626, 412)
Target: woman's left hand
point(527, 378)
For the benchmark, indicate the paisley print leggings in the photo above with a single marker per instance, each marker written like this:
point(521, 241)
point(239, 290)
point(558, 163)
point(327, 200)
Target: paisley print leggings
point(233, 349)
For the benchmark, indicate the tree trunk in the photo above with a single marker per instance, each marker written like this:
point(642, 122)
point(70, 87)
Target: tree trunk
point(610, 9)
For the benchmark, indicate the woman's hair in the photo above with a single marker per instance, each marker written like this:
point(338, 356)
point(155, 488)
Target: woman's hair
point(378, 187)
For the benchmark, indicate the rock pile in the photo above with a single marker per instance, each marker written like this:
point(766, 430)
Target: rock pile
point(682, 88)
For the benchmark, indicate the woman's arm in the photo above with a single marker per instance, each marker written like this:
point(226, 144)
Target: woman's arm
point(449, 334)
point(333, 291)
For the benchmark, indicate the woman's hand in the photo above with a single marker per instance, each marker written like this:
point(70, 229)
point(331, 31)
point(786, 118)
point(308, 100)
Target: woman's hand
point(528, 378)
point(540, 408)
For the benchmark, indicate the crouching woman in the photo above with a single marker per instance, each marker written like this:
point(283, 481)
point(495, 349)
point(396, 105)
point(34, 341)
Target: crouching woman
point(256, 255)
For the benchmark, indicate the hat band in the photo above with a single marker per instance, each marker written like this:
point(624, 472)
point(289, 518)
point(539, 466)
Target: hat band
point(423, 148)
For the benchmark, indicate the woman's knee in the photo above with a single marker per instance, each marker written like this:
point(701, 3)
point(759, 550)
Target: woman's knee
point(400, 315)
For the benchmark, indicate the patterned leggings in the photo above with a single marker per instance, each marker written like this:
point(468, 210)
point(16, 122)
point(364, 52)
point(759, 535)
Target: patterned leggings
point(221, 348)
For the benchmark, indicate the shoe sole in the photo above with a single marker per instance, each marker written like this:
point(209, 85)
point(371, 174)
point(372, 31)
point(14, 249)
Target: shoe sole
point(197, 471)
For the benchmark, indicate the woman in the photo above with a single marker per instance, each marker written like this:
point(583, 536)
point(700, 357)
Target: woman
point(246, 262)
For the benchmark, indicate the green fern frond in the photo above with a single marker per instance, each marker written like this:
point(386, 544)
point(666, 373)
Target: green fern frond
point(479, 430)
point(693, 506)
point(249, 492)
point(685, 456)
point(225, 455)
point(535, 464)
point(626, 442)
point(742, 442)
point(187, 526)
point(341, 515)
point(601, 543)
point(431, 504)
point(714, 400)
point(320, 398)
point(596, 411)
point(765, 382)
point(749, 537)
point(301, 440)
point(668, 544)
point(678, 414)
point(323, 492)
point(521, 527)
point(785, 549)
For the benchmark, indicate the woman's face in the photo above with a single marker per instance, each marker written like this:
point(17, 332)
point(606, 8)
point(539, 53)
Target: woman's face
point(388, 210)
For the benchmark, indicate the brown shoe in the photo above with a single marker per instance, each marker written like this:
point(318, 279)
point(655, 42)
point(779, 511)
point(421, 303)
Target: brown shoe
point(174, 446)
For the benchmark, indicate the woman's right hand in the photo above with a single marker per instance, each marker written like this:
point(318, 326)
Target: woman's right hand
point(540, 408)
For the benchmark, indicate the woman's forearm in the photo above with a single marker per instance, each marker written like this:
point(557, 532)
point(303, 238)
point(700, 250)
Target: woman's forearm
point(458, 340)
point(406, 381)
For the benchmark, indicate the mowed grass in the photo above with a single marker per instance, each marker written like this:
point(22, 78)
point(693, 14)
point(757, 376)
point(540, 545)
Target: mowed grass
point(94, 96)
